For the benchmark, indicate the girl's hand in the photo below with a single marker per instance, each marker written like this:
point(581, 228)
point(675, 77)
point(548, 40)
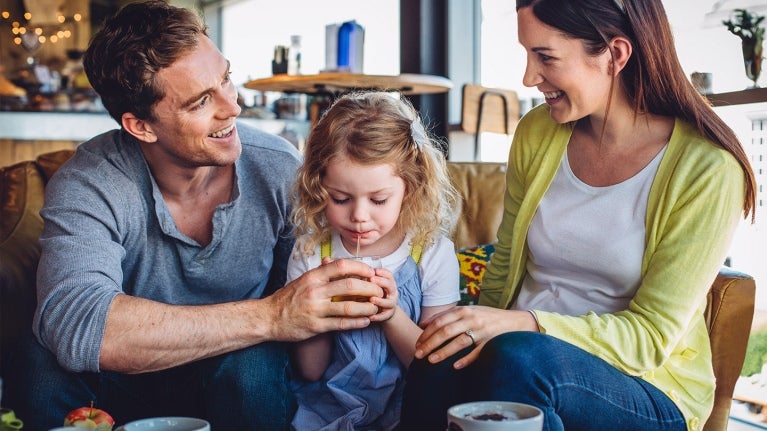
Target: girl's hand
point(387, 305)
point(483, 323)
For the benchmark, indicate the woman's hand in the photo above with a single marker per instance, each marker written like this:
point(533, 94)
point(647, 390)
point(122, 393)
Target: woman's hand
point(463, 326)
point(387, 305)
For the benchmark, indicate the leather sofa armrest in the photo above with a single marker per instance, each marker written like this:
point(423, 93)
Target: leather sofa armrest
point(49, 163)
point(21, 197)
point(729, 314)
point(22, 190)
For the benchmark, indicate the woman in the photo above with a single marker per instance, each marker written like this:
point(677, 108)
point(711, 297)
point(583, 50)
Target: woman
point(623, 192)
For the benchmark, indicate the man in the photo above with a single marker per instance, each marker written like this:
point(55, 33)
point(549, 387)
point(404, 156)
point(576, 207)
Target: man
point(165, 246)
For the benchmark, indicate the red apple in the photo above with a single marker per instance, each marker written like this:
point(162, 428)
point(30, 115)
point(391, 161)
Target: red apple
point(91, 418)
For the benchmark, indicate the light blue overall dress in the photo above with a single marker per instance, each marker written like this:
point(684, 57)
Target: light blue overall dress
point(362, 387)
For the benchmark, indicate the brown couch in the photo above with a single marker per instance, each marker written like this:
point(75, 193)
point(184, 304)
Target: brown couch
point(729, 312)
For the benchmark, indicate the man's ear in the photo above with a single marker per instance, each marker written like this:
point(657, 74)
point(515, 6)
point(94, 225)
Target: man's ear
point(141, 129)
point(621, 50)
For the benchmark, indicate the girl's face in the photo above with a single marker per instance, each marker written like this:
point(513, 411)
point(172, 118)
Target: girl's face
point(574, 83)
point(365, 203)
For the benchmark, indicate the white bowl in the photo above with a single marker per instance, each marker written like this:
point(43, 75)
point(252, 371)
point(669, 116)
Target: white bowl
point(166, 424)
point(494, 416)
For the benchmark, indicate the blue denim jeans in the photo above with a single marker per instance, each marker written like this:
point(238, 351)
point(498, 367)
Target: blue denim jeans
point(576, 390)
point(242, 390)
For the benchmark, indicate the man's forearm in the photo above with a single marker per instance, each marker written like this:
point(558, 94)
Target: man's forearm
point(143, 335)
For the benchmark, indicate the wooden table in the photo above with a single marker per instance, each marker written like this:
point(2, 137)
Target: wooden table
point(334, 83)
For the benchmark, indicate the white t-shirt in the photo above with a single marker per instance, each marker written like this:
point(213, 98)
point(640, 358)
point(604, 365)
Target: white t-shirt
point(438, 267)
point(586, 244)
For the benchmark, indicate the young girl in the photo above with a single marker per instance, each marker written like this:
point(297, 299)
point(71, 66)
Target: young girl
point(372, 184)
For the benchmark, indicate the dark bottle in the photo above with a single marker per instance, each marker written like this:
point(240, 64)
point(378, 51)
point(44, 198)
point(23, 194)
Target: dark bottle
point(280, 61)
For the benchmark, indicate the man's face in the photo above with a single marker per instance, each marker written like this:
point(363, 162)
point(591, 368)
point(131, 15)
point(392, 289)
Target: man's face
point(194, 122)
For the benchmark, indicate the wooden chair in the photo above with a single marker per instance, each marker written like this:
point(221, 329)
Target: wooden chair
point(485, 109)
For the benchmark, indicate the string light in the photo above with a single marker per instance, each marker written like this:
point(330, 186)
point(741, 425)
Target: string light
point(48, 33)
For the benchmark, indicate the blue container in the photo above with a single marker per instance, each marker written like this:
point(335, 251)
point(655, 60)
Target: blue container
point(350, 43)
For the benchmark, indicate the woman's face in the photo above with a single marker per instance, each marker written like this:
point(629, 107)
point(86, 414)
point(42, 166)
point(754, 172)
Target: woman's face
point(574, 84)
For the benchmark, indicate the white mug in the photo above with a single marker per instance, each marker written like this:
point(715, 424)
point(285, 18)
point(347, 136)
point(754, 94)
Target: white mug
point(166, 424)
point(494, 416)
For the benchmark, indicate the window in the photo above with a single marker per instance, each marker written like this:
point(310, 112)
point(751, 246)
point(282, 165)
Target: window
point(250, 29)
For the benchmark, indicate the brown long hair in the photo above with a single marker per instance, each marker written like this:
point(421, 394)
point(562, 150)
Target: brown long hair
point(125, 55)
point(653, 77)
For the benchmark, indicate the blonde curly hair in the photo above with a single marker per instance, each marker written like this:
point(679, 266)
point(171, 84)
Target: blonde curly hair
point(372, 128)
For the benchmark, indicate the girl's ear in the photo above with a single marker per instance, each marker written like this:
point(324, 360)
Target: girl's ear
point(141, 129)
point(621, 50)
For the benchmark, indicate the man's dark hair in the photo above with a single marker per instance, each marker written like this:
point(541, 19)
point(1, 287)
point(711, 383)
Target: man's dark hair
point(124, 57)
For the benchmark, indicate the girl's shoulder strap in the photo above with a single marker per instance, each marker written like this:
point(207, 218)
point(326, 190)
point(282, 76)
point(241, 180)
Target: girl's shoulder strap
point(416, 250)
point(326, 250)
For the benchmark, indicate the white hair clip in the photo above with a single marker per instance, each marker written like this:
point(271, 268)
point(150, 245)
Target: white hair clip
point(418, 132)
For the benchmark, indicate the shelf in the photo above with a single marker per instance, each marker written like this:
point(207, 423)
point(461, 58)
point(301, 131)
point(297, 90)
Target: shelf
point(81, 126)
point(750, 95)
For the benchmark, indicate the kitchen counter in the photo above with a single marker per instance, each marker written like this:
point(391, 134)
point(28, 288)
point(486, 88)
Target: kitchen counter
point(54, 125)
point(24, 135)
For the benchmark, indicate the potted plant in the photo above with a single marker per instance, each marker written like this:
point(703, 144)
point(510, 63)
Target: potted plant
point(748, 27)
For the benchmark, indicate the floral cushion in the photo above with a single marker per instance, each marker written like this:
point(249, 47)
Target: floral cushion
point(472, 262)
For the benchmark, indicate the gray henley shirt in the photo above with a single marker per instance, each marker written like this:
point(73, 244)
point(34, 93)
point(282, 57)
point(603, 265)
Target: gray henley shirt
point(108, 231)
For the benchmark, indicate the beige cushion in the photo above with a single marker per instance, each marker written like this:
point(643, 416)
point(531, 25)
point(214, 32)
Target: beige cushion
point(481, 186)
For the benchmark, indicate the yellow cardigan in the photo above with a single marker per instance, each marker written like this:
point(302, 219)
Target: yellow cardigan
point(694, 206)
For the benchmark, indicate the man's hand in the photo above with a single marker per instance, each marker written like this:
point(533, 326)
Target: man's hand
point(305, 307)
point(159, 336)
